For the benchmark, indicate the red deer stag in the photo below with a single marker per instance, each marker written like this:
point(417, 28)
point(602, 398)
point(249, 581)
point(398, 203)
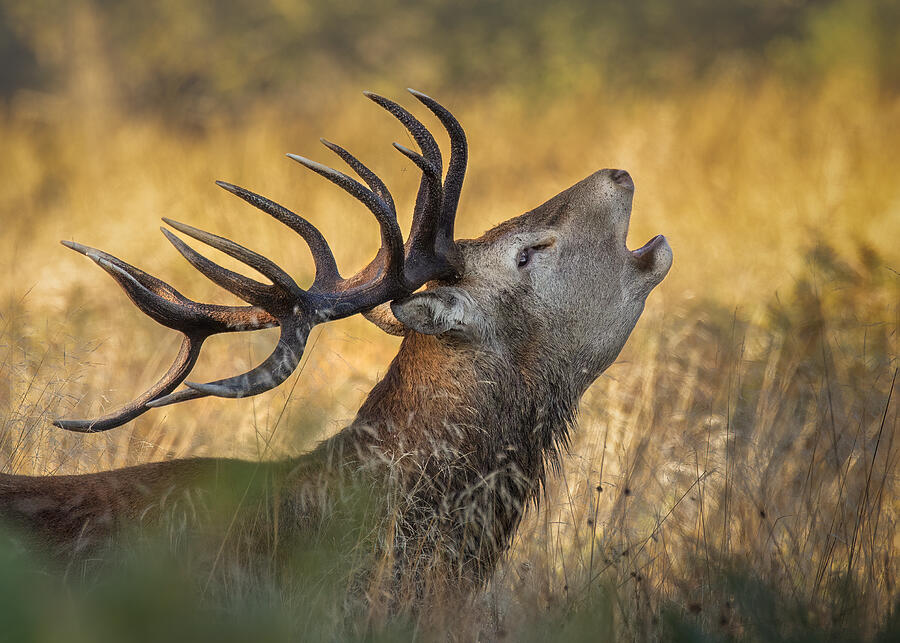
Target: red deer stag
point(509, 332)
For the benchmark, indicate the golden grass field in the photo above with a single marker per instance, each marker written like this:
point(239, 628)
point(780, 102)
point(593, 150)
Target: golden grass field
point(734, 474)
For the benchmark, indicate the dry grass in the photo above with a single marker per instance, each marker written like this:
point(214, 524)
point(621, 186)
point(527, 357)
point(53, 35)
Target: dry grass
point(743, 478)
point(744, 442)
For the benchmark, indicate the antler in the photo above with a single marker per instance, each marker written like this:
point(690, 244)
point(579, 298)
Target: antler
point(396, 271)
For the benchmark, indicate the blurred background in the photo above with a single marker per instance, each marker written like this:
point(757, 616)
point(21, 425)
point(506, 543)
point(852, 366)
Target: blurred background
point(762, 137)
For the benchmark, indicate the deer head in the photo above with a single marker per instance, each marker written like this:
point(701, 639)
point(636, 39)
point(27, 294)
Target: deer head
point(554, 288)
point(556, 284)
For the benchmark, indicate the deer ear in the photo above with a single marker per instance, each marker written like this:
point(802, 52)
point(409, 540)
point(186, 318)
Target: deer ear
point(440, 310)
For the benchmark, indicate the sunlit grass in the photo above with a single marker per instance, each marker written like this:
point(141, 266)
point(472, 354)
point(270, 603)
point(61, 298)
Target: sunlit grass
point(738, 458)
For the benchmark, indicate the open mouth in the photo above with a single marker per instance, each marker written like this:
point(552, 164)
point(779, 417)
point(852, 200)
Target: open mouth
point(655, 257)
point(648, 247)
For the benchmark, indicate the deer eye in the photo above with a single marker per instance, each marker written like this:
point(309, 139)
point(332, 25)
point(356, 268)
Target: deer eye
point(524, 256)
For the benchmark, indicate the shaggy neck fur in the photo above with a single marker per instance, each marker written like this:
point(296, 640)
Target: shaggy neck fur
point(468, 435)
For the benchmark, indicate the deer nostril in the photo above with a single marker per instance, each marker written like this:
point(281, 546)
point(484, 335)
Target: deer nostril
point(623, 178)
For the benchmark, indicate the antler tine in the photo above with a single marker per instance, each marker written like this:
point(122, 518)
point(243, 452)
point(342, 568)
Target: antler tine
point(459, 157)
point(249, 290)
point(420, 133)
point(375, 184)
point(327, 273)
point(428, 201)
point(391, 237)
point(422, 242)
point(154, 297)
point(270, 373)
point(165, 305)
point(184, 362)
point(456, 173)
point(182, 395)
point(421, 162)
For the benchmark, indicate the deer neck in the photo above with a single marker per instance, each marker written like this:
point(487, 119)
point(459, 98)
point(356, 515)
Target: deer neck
point(480, 412)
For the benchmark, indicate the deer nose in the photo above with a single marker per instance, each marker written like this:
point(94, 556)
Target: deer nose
point(623, 178)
